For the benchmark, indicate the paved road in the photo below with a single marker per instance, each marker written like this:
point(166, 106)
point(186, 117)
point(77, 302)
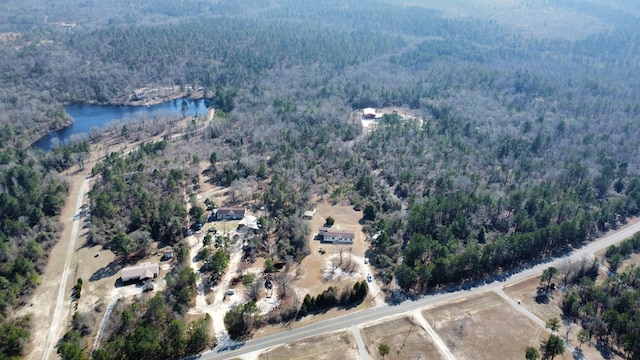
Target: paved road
point(379, 313)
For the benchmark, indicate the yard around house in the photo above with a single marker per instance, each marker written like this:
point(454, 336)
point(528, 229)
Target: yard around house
point(310, 276)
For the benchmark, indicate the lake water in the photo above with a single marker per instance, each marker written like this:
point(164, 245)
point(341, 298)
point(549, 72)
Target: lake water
point(86, 116)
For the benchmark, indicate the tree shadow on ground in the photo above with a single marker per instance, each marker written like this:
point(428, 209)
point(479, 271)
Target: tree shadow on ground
point(542, 296)
point(604, 350)
point(105, 272)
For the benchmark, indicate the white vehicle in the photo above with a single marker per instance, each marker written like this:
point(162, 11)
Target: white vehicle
point(366, 261)
point(369, 278)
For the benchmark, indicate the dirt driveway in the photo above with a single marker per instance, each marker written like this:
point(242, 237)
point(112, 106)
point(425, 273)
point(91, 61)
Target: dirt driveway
point(70, 259)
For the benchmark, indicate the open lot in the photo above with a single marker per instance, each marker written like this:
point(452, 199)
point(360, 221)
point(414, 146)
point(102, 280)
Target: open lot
point(633, 259)
point(525, 292)
point(408, 340)
point(484, 327)
point(338, 345)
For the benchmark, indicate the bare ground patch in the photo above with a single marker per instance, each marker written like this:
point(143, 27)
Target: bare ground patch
point(338, 345)
point(634, 259)
point(484, 327)
point(408, 340)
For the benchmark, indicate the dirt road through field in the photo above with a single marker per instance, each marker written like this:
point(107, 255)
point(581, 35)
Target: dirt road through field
point(61, 310)
point(444, 349)
point(362, 349)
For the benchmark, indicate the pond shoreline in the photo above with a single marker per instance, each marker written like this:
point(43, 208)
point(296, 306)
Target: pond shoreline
point(152, 96)
point(83, 116)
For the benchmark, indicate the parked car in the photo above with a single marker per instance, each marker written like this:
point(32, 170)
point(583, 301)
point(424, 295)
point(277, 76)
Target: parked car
point(196, 227)
point(369, 278)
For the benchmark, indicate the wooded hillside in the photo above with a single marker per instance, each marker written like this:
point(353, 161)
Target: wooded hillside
point(523, 145)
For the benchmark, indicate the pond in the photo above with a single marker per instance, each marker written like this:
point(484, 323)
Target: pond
point(87, 116)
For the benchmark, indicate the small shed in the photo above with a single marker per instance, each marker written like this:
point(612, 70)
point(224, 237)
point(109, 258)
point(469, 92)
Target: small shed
point(309, 214)
point(167, 254)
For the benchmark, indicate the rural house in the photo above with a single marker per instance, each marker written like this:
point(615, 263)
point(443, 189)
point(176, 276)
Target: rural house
point(230, 213)
point(336, 236)
point(369, 113)
point(140, 272)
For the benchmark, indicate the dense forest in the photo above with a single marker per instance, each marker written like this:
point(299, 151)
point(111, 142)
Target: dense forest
point(523, 144)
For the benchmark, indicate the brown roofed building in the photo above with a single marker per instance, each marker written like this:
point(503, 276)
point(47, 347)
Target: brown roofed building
point(140, 272)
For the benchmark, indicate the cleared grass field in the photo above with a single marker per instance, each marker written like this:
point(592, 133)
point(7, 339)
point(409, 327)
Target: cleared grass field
point(339, 345)
point(406, 339)
point(485, 327)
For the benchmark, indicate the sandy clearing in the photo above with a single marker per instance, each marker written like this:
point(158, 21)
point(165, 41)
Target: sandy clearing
point(310, 277)
point(221, 302)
